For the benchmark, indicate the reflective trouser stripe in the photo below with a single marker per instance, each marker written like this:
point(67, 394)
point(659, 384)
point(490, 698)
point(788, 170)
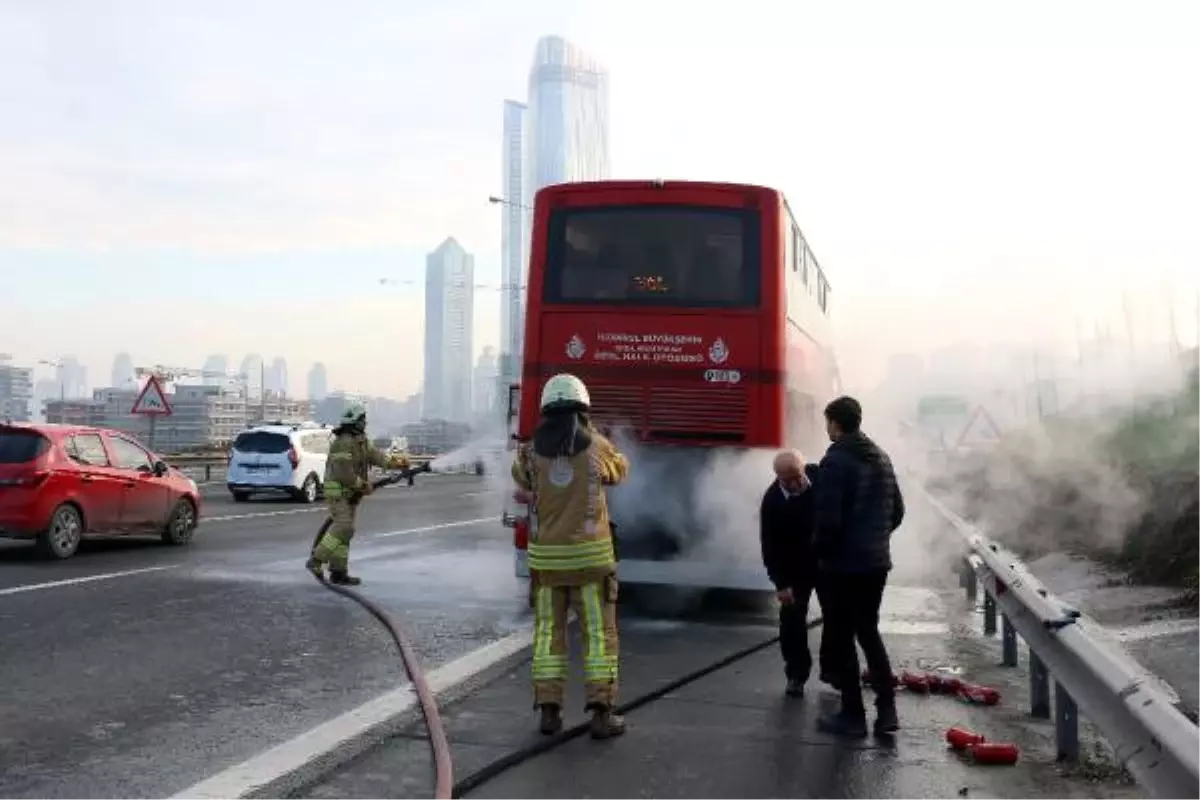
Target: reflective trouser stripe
point(597, 615)
point(334, 547)
point(598, 665)
point(547, 665)
point(560, 557)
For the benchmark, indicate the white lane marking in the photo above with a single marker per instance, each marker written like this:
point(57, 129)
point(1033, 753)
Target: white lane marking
point(229, 517)
point(440, 526)
point(343, 735)
point(477, 494)
point(33, 587)
point(286, 512)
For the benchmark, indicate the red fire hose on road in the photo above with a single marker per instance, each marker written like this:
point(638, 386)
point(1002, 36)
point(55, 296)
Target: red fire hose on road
point(444, 787)
point(444, 782)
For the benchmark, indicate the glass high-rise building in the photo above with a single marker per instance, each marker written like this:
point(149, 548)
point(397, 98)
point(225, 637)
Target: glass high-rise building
point(513, 244)
point(559, 136)
point(449, 313)
point(123, 374)
point(318, 383)
point(567, 137)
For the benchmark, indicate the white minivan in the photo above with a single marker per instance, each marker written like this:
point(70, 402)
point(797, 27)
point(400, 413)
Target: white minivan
point(279, 458)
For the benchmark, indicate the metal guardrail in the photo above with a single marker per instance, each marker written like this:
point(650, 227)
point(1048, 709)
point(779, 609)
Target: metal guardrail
point(1150, 737)
point(210, 467)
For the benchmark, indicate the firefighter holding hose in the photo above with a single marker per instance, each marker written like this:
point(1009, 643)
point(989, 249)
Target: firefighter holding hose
point(572, 563)
point(347, 472)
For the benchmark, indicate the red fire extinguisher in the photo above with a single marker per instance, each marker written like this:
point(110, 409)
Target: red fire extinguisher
point(943, 684)
point(994, 753)
point(914, 683)
point(979, 695)
point(961, 738)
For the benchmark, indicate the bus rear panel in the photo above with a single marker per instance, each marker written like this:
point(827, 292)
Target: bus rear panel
point(670, 301)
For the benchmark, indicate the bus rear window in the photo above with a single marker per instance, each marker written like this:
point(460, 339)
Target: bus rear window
point(654, 255)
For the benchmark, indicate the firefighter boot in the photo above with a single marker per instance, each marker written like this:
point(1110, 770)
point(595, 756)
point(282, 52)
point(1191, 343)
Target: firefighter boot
point(343, 578)
point(551, 719)
point(606, 724)
point(316, 568)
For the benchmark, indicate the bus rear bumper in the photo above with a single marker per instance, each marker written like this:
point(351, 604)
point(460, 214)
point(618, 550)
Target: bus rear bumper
point(697, 574)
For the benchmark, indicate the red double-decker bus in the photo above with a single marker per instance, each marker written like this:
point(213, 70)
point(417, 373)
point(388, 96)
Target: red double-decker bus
point(698, 317)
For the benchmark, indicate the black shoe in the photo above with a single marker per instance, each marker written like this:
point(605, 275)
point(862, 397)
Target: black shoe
point(831, 681)
point(795, 688)
point(551, 722)
point(886, 721)
point(343, 579)
point(843, 724)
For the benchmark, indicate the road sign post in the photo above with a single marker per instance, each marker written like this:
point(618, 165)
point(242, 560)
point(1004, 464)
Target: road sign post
point(980, 432)
point(152, 402)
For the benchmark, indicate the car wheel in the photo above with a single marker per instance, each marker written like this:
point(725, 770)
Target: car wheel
point(181, 524)
point(62, 538)
point(240, 497)
point(309, 491)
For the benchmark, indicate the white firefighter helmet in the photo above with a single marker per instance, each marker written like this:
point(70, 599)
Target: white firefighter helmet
point(565, 389)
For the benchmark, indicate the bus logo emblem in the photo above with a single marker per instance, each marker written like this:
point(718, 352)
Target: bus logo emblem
point(575, 348)
point(718, 353)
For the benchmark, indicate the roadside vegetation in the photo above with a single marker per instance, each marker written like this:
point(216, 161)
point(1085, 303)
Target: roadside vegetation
point(1123, 489)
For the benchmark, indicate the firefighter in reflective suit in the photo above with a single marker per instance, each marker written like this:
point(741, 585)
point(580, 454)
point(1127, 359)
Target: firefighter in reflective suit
point(351, 456)
point(571, 560)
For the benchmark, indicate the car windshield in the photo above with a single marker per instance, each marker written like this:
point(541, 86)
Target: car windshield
point(19, 447)
point(262, 442)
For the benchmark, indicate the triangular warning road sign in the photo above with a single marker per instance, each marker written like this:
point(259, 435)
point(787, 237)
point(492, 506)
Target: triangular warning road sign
point(152, 401)
point(980, 429)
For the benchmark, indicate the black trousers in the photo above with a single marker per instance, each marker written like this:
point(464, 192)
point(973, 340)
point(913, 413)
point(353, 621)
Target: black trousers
point(853, 616)
point(793, 633)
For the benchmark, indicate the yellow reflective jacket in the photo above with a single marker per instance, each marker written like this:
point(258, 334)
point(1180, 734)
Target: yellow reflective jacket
point(573, 545)
point(351, 457)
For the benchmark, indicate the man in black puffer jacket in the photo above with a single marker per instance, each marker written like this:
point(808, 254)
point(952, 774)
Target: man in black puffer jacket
point(858, 506)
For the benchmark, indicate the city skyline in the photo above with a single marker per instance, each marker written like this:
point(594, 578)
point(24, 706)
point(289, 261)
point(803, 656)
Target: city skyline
point(1004, 215)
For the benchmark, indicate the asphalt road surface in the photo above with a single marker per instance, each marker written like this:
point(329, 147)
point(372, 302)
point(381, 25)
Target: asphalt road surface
point(136, 669)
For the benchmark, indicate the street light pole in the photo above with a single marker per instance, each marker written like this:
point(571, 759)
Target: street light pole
point(506, 202)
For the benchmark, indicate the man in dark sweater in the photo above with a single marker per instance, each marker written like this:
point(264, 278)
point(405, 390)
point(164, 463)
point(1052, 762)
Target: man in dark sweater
point(787, 522)
point(858, 506)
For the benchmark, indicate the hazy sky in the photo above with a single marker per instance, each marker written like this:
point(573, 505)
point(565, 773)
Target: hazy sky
point(180, 178)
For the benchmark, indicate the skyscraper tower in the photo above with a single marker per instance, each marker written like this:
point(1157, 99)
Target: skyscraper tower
point(318, 383)
point(567, 137)
point(514, 223)
point(216, 366)
point(449, 314)
point(123, 376)
point(560, 136)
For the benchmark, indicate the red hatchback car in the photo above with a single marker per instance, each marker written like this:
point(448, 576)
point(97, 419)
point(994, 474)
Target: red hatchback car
point(59, 483)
